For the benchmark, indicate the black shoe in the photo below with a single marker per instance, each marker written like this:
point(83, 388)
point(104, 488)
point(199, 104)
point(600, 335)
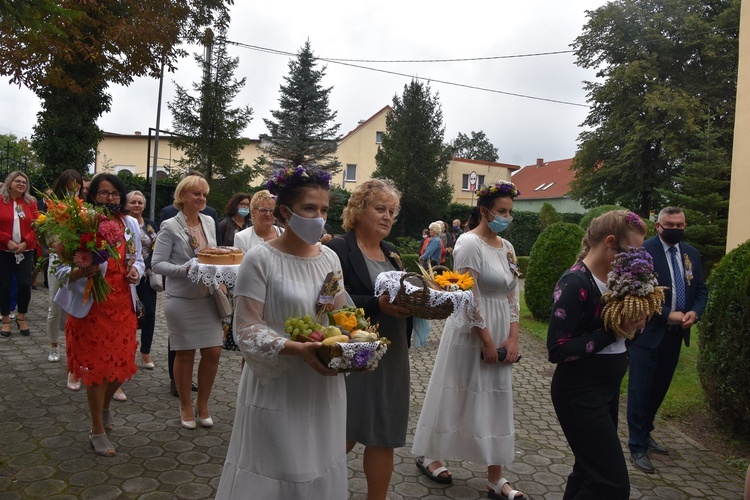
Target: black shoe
point(642, 462)
point(194, 387)
point(655, 447)
point(173, 389)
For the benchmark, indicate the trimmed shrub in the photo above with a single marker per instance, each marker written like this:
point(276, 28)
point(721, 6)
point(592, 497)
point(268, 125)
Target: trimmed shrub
point(596, 212)
point(410, 262)
point(548, 215)
point(553, 253)
point(724, 335)
point(523, 265)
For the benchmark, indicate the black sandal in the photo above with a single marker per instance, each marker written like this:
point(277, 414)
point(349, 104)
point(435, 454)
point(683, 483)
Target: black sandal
point(25, 332)
point(3, 332)
point(435, 474)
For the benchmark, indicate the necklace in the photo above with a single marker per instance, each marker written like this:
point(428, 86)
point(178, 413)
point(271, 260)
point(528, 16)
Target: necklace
point(380, 250)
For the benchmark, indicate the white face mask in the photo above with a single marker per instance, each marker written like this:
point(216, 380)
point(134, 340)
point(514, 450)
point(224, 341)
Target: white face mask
point(309, 230)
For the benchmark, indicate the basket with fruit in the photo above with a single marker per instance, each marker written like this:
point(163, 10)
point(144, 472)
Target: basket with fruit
point(350, 343)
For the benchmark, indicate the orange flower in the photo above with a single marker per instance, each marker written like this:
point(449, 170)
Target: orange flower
point(346, 320)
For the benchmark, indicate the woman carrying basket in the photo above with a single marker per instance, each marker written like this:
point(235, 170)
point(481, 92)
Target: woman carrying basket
point(468, 409)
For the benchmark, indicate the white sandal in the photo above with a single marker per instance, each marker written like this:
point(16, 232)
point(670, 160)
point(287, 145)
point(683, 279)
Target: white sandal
point(496, 491)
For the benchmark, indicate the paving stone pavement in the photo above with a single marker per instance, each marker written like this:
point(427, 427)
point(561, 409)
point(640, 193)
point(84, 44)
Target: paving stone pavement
point(44, 450)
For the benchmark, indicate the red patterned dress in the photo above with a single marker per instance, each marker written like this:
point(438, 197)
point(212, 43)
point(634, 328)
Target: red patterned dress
point(101, 346)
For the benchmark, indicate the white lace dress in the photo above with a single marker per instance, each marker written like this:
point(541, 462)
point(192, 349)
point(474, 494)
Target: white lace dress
point(468, 409)
point(288, 439)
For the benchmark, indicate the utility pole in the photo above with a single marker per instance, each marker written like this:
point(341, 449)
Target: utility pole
point(152, 205)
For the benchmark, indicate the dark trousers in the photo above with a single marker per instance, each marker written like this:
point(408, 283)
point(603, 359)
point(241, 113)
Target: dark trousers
point(22, 273)
point(651, 371)
point(586, 395)
point(147, 296)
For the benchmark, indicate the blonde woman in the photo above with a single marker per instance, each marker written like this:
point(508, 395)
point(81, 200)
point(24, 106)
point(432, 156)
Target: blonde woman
point(434, 250)
point(192, 319)
point(263, 229)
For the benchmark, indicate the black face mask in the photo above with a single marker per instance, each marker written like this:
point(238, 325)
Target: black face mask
point(112, 208)
point(672, 235)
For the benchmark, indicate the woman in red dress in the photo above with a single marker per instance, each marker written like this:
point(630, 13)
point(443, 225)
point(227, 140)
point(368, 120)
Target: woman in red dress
point(101, 341)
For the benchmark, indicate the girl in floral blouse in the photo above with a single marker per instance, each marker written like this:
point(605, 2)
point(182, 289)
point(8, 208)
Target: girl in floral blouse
point(591, 361)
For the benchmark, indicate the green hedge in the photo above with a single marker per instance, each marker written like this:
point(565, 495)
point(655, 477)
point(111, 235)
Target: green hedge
point(553, 253)
point(410, 262)
point(524, 230)
point(724, 334)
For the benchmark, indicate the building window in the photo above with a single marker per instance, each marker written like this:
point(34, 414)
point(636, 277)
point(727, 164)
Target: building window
point(379, 137)
point(465, 182)
point(129, 168)
point(351, 173)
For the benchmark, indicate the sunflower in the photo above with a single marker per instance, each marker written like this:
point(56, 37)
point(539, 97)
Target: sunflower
point(449, 280)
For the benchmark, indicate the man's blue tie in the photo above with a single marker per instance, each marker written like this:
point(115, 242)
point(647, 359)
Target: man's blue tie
point(679, 281)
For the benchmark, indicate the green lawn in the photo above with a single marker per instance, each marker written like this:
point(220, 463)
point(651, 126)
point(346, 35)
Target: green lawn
point(685, 395)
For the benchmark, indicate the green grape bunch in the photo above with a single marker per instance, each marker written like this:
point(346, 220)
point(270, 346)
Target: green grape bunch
point(301, 326)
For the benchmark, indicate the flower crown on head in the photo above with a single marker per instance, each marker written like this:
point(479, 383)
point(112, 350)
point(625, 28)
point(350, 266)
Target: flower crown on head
point(503, 187)
point(288, 177)
point(633, 219)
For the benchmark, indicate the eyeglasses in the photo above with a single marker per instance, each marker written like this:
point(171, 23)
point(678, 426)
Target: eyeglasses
point(243, 205)
point(20, 181)
point(265, 211)
point(115, 195)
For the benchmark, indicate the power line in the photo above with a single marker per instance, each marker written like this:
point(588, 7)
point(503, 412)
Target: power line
point(344, 62)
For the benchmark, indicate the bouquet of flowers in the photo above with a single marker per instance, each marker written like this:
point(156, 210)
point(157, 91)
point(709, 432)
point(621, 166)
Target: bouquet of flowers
point(81, 236)
point(350, 343)
point(634, 290)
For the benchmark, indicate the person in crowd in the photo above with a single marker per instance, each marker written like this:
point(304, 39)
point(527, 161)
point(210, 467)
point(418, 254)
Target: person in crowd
point(377, 410)
point(136, 203)
point(434, 250)
point(100, 337)
point(263, 228)
point(447, 240)
point(468, 409)
point(17, 246)
point(85, 188)
point(425, 241)
point(68, 183)
point(288, 437)
point(166, 213)
point(192, 319)
point(591, 361)
point(237, 218)
point(456, 229)
point(654, 355)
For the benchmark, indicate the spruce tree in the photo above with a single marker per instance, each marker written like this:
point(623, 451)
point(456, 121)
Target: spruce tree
point(702, 190)
point(211, 128)
point(414, 156)
point(301, 130)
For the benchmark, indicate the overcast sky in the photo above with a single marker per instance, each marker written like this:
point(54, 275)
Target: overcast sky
point(522, 129)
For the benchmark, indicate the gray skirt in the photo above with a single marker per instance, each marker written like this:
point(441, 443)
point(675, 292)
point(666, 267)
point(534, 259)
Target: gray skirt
point(192, 323)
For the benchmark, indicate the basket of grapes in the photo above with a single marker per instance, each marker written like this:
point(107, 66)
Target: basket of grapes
point(349, 344)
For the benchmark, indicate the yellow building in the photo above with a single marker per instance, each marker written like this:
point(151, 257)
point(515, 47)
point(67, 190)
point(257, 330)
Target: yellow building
point(738, 230)
point(134, 153)
point(356, 152)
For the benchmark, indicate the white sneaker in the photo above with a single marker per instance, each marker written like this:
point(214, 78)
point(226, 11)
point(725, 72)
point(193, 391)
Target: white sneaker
point(54, 355)
point(12, 315)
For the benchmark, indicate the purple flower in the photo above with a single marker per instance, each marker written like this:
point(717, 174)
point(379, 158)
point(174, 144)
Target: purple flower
point(361, 358)
point(576, 267)
point(583, 294)
point(100, 256)
point(590, 346)
point(557, 293)
point(560, 313)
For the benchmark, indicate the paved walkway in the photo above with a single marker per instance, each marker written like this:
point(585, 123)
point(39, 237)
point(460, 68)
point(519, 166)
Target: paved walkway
point(44, 450)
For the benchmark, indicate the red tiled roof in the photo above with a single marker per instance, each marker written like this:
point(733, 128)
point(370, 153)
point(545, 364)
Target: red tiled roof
point(551, 179)
point(387, 107)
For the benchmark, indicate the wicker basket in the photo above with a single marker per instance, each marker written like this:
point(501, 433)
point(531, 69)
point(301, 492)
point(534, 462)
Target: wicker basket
point(326, 353)
point(418, 302)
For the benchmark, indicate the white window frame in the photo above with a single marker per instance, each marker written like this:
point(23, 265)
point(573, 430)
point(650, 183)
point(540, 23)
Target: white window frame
point(379, 136)
point(465, 181)
point(346, 172)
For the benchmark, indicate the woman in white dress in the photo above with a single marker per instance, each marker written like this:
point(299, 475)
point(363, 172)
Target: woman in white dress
point(289, 433)
point(468, 409)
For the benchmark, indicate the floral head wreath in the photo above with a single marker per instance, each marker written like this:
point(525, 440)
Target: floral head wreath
point(288, 177)
point(633, 219)
point(500, 187)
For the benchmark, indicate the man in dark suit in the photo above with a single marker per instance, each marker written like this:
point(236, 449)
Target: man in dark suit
point(167, 213)
point(654, 354)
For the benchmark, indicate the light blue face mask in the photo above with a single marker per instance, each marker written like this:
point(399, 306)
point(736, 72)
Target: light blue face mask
point(499, 224)
point(243, 212)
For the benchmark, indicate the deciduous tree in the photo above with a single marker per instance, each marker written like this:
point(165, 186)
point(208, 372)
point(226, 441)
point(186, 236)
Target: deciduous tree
point(414, 156)
point(302, 129)
point(665, 67)
point(476, 147)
